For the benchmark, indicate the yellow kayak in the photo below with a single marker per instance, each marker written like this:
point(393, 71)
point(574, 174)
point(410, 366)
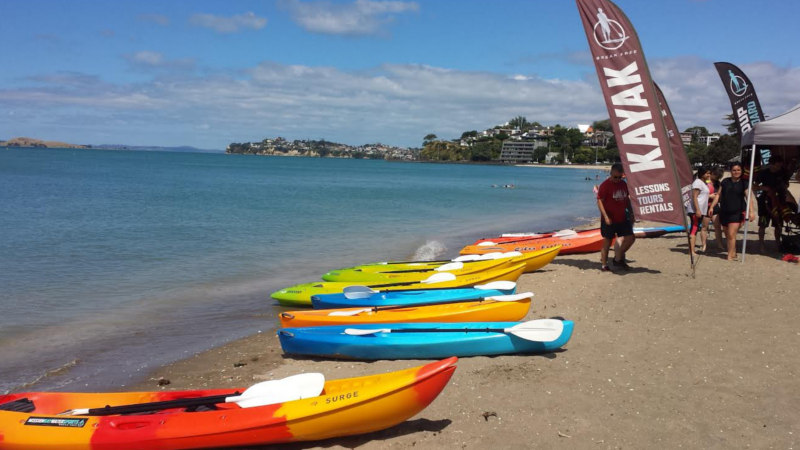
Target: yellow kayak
point(265, 413)
point(300, 295)
point(399, 273)
point(503, 308)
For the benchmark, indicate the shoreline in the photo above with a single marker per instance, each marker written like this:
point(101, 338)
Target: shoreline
point(602, 167)
point(652, 347)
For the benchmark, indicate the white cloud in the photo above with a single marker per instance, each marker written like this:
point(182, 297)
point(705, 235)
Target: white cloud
point(231, 24)
point(361, 17)
point(393, 104)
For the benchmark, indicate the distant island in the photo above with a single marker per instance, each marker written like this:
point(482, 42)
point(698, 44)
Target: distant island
point(321, 149)
point(38, 143)
point(26, 142)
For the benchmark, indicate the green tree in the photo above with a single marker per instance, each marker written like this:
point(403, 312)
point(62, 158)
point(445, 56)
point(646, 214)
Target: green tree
point(722, 150)
point(602, 125)
point(428, 139)
point(519, 122)
point(731, 125)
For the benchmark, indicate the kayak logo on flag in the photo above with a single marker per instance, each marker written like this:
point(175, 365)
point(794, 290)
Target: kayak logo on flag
point(737, 85)
point(608, 33)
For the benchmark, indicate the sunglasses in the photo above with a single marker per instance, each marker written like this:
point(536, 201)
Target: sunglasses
point(616, 177)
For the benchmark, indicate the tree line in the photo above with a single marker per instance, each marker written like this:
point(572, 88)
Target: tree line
point(568, 143)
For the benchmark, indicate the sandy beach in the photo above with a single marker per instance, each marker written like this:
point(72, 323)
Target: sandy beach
point(659, 359)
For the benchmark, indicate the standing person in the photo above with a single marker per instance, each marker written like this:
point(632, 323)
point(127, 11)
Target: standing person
point(713, 209)
point(698, 207)
point(732, 207)
point(616, 217)
point(772, 183)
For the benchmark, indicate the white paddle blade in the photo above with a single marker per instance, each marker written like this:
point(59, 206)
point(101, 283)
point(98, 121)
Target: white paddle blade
point(296, 387)
point(511, 298)
point(464, 258)
point(530, 235)
point(498, 285)
point(486, 244)
point(349, 312)
point(354, 292)
point(565, 232)
point(439, 277)
point(450, 266)
point(363, 332)
point(539, 330)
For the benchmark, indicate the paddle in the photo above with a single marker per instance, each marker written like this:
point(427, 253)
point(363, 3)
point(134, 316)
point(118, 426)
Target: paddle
point(296, 387)
point(560, 234)
point(538, 330)
point(498, 298)
point(359, 292)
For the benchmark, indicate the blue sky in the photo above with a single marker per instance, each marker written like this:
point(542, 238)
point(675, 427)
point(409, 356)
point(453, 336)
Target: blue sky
point(208, 73)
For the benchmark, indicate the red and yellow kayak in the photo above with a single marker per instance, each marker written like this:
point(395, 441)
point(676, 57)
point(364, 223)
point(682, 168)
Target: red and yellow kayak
point(477, 310)
point(345, 407)
point(582, 242)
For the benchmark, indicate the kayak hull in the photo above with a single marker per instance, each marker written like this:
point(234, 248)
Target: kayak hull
point(403, 275)
point(408, 298)
point(346, 407)
point(300, 295)
point(466, 311)
point(588, 241)
point(333, 342)
point(533, 261)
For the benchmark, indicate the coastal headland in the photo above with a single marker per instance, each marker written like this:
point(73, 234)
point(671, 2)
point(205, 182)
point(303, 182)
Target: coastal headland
point(659, 359)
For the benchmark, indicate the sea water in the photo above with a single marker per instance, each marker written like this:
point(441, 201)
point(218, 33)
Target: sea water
point(113, 263)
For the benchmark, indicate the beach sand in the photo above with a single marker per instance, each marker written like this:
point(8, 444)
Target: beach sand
point(659, 359)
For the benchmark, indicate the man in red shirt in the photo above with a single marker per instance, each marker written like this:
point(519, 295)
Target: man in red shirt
point(616, 217)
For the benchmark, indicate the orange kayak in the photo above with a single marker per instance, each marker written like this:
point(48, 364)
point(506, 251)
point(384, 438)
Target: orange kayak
point(582, 242)
point(31, 420)
point(477, 310)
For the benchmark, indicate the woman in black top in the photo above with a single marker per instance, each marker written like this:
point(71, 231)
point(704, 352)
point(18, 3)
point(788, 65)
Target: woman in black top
point(732, 206)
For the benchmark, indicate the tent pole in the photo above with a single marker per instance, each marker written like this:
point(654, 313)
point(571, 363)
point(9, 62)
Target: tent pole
point(749, 189)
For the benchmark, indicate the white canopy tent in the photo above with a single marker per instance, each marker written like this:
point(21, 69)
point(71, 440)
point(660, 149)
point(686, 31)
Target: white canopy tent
point(782, 130)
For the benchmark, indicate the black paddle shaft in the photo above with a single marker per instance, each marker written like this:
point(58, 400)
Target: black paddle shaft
point(155, 406)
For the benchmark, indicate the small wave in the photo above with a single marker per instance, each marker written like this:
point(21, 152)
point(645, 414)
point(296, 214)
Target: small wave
point(61, 370)
point(430, 251)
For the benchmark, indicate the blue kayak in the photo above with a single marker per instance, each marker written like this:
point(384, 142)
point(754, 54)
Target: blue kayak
point(649, 232)
point(427, 340)
point(356, 296)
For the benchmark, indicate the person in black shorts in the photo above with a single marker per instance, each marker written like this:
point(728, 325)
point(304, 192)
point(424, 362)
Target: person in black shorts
point(771, 183)
point(616, 217)
point(732, 206)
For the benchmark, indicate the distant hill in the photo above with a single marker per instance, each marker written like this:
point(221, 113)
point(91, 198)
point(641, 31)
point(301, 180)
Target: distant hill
point(31, 142)
point(150, 148)
point(38, 143)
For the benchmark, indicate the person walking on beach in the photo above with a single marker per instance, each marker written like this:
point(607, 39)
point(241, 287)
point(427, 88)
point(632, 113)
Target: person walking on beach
point(616, 217)
point(713, 209)
point(732, 207)
point(698, 207)
point(771, 183)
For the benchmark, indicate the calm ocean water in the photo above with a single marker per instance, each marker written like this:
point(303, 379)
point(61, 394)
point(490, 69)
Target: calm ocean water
point(113, 262)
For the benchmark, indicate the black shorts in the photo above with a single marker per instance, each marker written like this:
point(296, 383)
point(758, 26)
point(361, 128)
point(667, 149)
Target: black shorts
point(730, 217)
point(619, 229)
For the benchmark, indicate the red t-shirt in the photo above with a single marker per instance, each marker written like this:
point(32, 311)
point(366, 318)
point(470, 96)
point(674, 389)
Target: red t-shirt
point(615, 199)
